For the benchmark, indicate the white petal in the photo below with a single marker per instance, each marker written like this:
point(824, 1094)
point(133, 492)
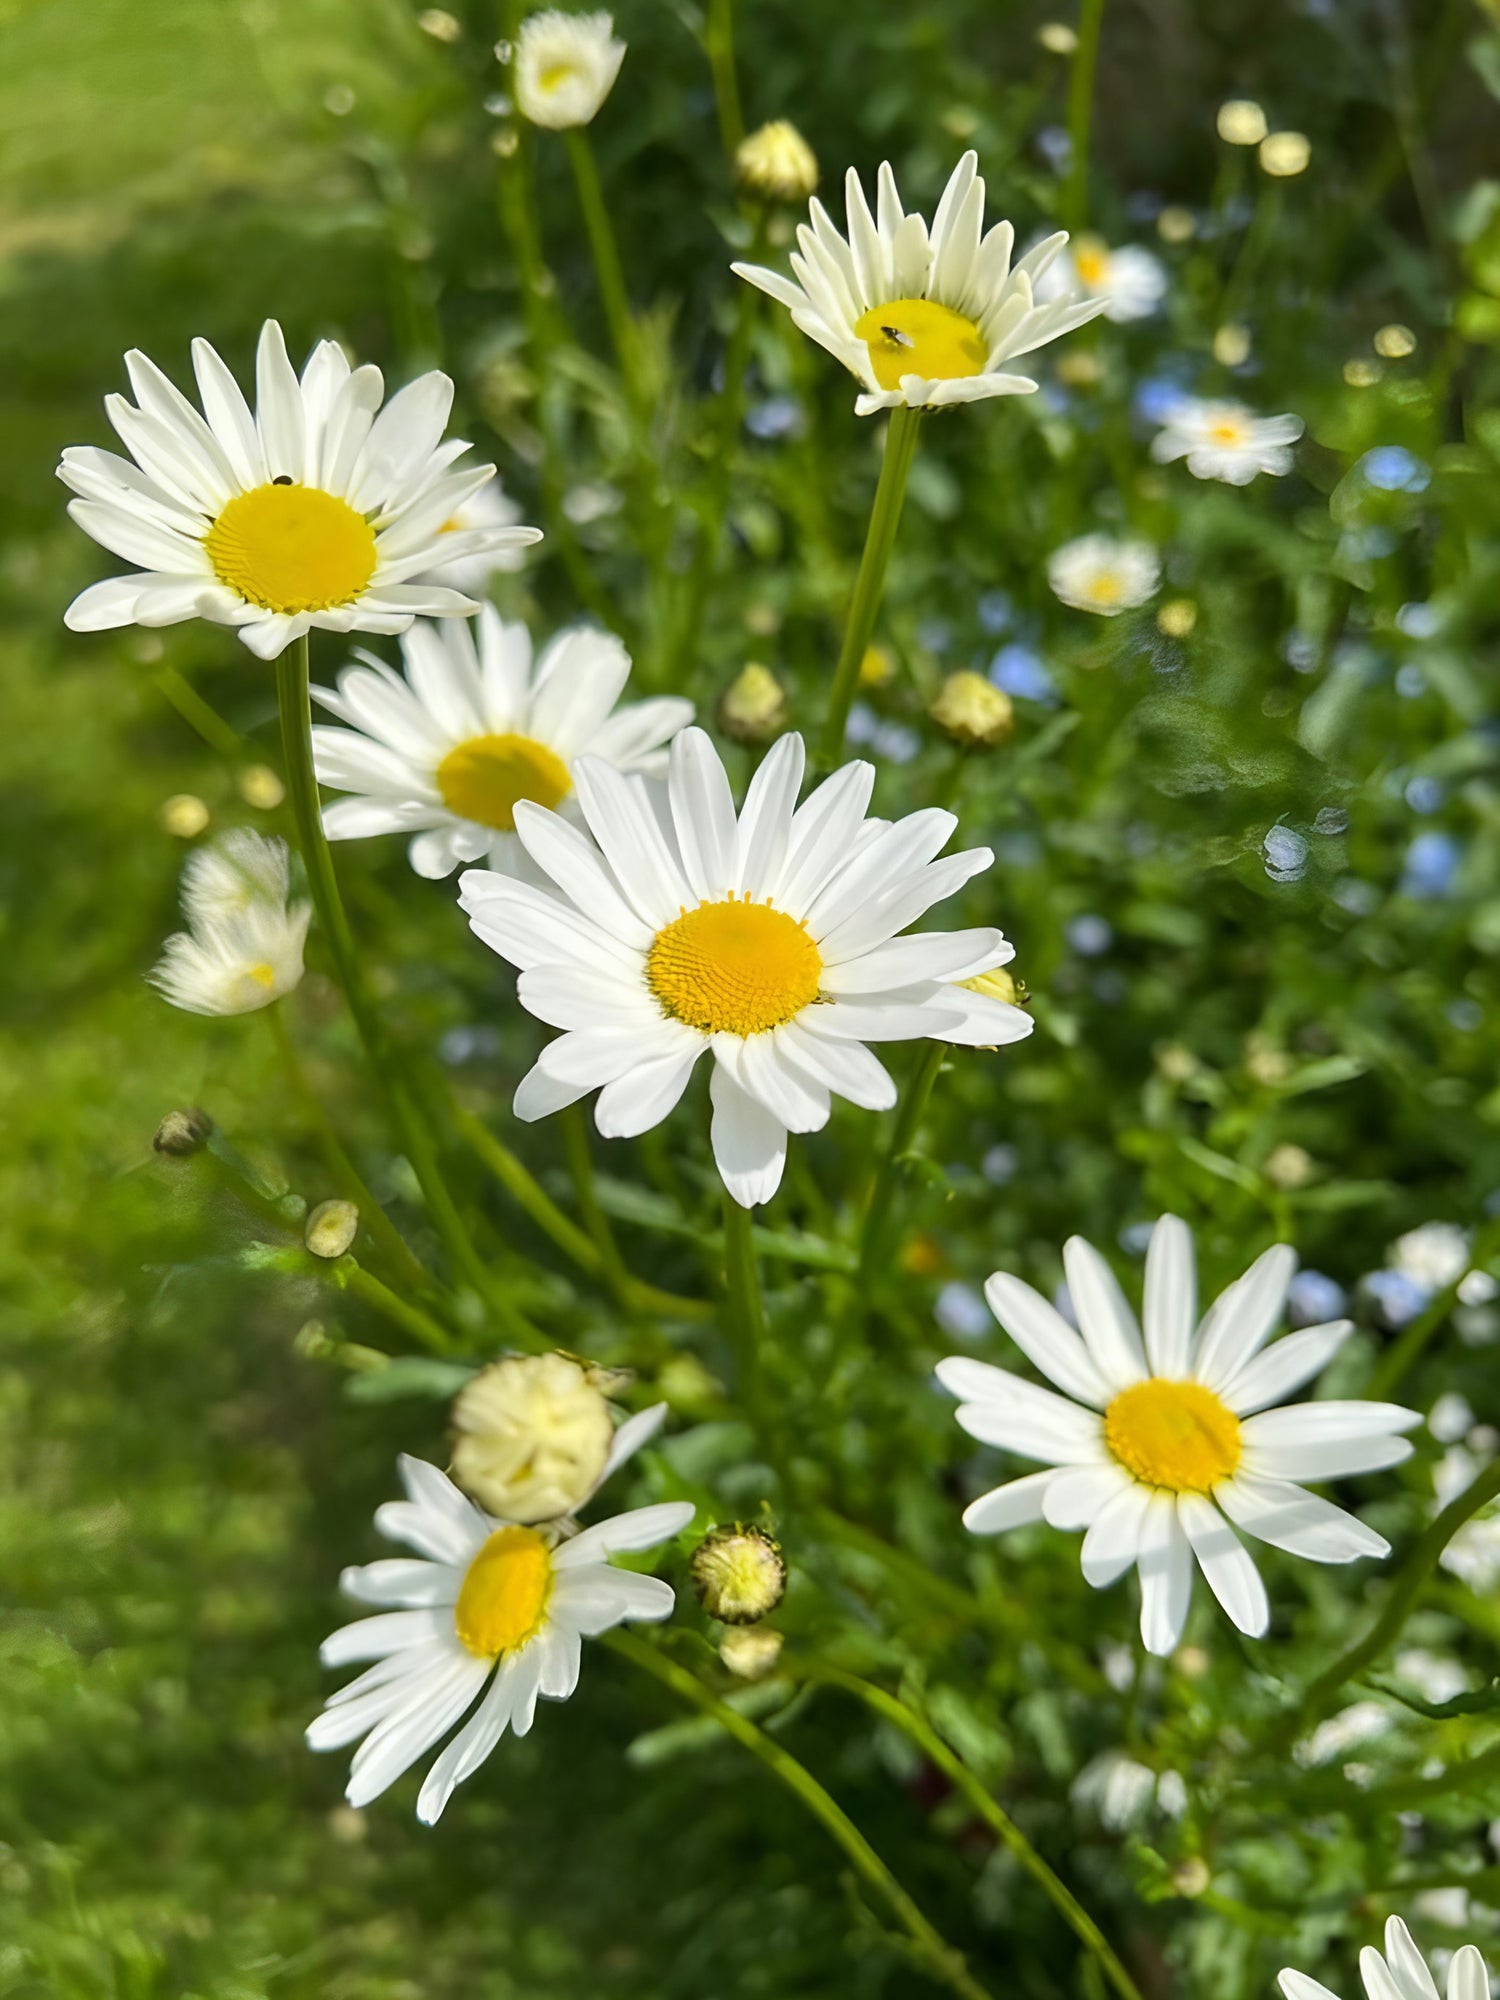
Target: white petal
point(765, 822)
point(1278, 1512)
point(593, 1599)
point(1046, 1339)
point(1284, 1366)
point(1230, 1573)
point(396, 1744)
point(1408, 1963)
point(632, 1435)
point(1104, 1318)
point(640, 1099)
point(1077, 1498)
point(1015, 1505)
point(903, 961)
point(749, 1142)
point(1468, 1978)
point(1299, 1986)
point(404, 1581)
point(703, 814)
point(1171, 1303)
point(388, 1632)
point(1330, 1458)
point(640, 1528)
point(1165, 1565)
point(1113, 1542)
point(575, 865)
point(471, 1746)
point(1243, 1318)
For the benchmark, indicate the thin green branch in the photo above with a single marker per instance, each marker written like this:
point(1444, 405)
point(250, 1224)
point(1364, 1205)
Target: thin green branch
point(606, 252)
point(874, 1236)
point(1081, 113)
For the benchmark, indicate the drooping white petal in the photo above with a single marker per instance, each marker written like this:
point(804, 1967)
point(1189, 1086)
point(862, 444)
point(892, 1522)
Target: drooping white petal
point(1164, 1563)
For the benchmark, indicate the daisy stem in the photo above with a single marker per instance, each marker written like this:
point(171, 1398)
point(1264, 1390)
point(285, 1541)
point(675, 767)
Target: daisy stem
point(746, 1309)
point(869, 585)
point(607, 266)
point(302, 787)
point(941, 1959)
point(873, 1236)
point(718, 45)
point(363, 1284)
point(601, 1237)
point(1410, 1578)
point(347, 1177)
point(958, 1774)
point(1081, 112)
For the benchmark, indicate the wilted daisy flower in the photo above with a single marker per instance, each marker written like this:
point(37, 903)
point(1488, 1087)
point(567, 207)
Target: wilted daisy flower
point(447, 752)
point(776, 162)
point(1130, 281)
point(1401, 1974)
point(1225, 440)
point(1100, 574)
point(322, 509)
point(1153, 1444)
point(770, 938)
point(490, 1601)
point(490, 507)
point(921, 318)
point(565, 67)
point(243, 945)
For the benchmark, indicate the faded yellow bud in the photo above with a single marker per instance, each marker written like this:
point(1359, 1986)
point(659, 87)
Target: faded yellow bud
point(752, 709)
point(1289, 1167)
point(1079, 368)
point(1191, 1876)
point(1395, 341)
point(533, 1436)
point(739, 1574)
point(1231, 344)
point(183, 816)
point(1176, 225)
point(750, 1651)
point(331, 1228)
point(1177, 617)
point(1285, 154)
point(877, 667)
point(261, 787)
point(1057, 38)
point(1241, 122)
point(973, 711)
point(777, 163)
point(1361, 374)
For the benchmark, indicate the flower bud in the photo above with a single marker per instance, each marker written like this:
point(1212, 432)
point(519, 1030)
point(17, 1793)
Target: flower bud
point(750, 1651)
point(183, 1132)
point(752, 709)
point(777, 163)
point(739, 1574)
point(331, 1228)
point(973, 711)
point(533, 1435)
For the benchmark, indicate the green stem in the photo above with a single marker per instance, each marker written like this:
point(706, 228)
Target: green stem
point(607, 266)
point(347, 1177)
point(363, 1284)
point(746, 1309)
point(995, 1818)
point(200, 715)
point(1410, 1578)
point(718, 43)
point(602, 1238)
point(302, 788)
point(1081, 112)
point(936, 1953)
point(869, 585)
point(874, 1245)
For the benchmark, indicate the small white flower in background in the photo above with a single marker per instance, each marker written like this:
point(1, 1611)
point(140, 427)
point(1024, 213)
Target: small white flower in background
point(1435, 1676)
point(536, 1439)
point(1223, 440)
point(1122, 1793)
point(449, 751)
point(322, 509)
point(1100, 574)
point(1154, 1442)
point(1434, 1255)
point(1401, 1974)
point(244, 942)
point(1130, 281)
point(490, 1601)
point(1450, 1417)
point(770, 937)
point(922, 318)
point(1473, 1554)
point(490, 507)
point(565, 67)
point(1359, 1723)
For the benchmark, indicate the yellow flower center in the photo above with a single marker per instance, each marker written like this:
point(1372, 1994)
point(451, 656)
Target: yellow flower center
point(733, 968)
point(486, 777)
point(1091, 260)
point(263, 975)
point(920, 337)
point(1107, 587)
point(1176, 1435)
point(555, 75)
point(1228, 431)
point(292, 548)
point(503, 1596)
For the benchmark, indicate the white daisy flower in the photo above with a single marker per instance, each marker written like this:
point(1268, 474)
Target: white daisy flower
point(1401, 1974)
point(770, 938)
point(321, 509)
point(1104, 575)
point(1131, 282)
point(565, 67)
point(1151, 1446)
point(922, 318)
point(490, 1601)
point(244, 942)
point(449, 751)
point(490, 507)
point(1225, 441)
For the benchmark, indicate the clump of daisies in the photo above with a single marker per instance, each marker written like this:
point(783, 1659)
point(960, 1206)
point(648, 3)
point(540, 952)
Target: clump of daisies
point(245, 937)
point(1104, 574)
point(1225, 440)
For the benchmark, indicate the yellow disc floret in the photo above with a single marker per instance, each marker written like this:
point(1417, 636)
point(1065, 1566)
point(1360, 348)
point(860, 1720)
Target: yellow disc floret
point(485, 778)
point(1175, 1435)
point(503, 1596)
point(1091, 261)
point(733, 968)
point(292, 548)
point(920, 337)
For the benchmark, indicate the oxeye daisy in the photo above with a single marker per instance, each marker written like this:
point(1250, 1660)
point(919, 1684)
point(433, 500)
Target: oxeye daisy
point(490, 507)
point(449, 751)
point(1402, 1973)
point(565, 67)
point(321, 509)
point(769, 938)
point(489, 1602)
point(1130, 281)
point(244, 942)
point(1225, 441)
point(1103, 574)
point(922, 318)
point(1156, 1447)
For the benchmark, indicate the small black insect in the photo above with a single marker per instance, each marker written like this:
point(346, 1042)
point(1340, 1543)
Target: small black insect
point(897, 337)
point(282, 479)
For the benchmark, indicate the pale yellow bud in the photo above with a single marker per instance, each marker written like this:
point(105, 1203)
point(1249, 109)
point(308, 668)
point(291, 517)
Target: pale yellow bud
point(1079, 368)
point(752, 708)
point(739, 1574)
point(777, 163)
point(1360, 374)
point(1241, 122)
point(440, 24)
point(973, 711)
point(1285, 154)
point(533, 1436)
point(1177, 617)
point(877, 667)
point(750, 1651)
point(331, 1228)
point(261, 787)
point(1395, 342)
point(1191, 1876)
point(183, 816)
point(1176, 225)
point(1057, 38)
point(1231, 344)
point(1288, 1167)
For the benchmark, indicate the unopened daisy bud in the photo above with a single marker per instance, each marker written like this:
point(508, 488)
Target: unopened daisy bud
point(1177, 617)
point(1176, 225)
point(1288, 1167)
point(1191, 1876)
point(777, 163)
point(750, 1651)
point(533, 1436)
point(261, 787)
point(1395, 341)
point(876, 667)
point(1241, 122)
point(1285, 154)
point(183, 816)
point(1057, 38)
point(565, 67)
point(331, 1228)
point(1231, 345)
point(973, 711)
point(1361, 374)
point(752, 708)
point(739, 1574)
point(1080, 368)
point(440, 24)
point(183, 1132)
